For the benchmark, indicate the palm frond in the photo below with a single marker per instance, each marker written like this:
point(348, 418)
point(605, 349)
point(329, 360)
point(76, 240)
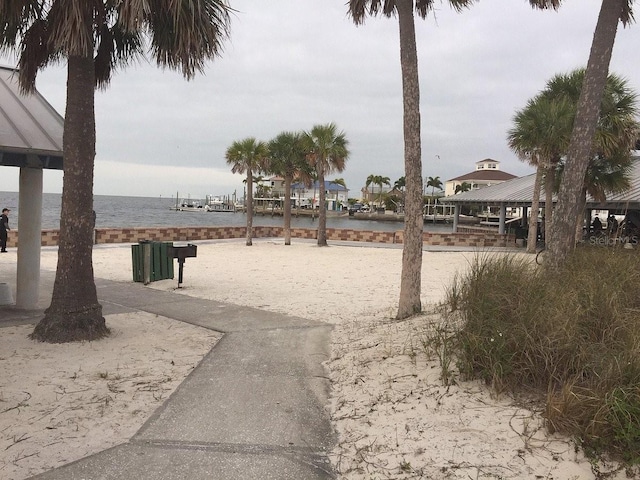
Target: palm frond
point(545, 4)
point(70, 25)
point(185, 33)
point(116, 46)
point(359, 10)
point(16, 17)
point(34, 55)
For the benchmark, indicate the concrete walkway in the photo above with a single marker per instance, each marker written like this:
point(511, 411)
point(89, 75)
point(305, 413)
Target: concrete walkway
point(255, 407)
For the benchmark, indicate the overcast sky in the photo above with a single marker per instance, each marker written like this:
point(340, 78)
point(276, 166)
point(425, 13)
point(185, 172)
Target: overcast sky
point(292, 64)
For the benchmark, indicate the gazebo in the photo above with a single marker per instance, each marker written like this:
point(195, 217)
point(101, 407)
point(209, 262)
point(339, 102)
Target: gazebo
point(30, 139)
point(519, 193)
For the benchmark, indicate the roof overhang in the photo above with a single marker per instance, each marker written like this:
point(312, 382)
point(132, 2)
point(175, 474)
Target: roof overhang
point(518, 192)
point(30, 128)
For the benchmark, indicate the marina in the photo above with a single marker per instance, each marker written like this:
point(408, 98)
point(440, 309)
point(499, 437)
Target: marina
point(211, 203)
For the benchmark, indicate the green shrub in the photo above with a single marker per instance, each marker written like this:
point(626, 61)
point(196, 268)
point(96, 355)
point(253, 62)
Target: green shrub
point(572, 336)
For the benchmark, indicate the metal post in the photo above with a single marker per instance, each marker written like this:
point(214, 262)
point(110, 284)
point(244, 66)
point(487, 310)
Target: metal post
point(180, 266)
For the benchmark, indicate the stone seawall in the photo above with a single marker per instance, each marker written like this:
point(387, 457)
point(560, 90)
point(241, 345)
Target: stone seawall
point(186, 234)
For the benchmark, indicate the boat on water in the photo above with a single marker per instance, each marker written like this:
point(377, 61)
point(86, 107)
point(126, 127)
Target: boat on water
point(219, 204)
point(210, 204)
point(189, 205)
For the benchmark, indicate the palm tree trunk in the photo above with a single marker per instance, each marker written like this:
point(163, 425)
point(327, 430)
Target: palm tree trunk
point(562, 238)
point(410, 283)
point(287, 209)
point(533, 216)
point(322, 212)
point(249, 208)
point(549, 183)
point(580, 218)
point(74, 313)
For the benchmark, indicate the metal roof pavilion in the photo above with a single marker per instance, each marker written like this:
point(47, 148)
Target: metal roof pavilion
point(30, 129)
point(31, 134)
point(519, 192)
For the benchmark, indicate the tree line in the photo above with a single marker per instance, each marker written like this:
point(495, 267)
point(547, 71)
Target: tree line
point(301, 156)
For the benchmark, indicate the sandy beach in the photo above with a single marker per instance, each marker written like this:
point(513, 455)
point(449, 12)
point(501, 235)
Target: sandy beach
point(394, 416)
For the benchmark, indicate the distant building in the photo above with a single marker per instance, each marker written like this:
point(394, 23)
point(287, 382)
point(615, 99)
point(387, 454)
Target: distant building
point(372, 193)
point(487, 173)
point(308, 196)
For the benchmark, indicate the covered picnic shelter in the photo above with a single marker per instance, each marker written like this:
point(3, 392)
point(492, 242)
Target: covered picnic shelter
point(518, 192)
point(30, 139)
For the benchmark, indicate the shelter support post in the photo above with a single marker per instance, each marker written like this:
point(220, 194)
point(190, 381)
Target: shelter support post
point(456, 217)
point(30, 241)
point(503, 218)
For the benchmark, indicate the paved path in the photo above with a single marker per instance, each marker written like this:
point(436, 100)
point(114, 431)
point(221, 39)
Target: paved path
point(255, 407)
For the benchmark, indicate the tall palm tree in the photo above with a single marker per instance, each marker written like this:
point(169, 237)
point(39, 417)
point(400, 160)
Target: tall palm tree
point(287, 158)
point(540, 136)
point(410, 283)
point(327, 152)
point(95, 37)
point(248, 156)
point(611, 13)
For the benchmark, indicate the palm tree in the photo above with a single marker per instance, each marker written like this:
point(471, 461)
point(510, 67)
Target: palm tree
point(587, 114)
point(371, 180)
point(614, 137)
point(380, 181)
point(287, 158)
point(434, 182)
point(400, 185)
point(463, 187)
point(327, 152)
point(248, 156)
point(95, 37)
point(540, 136)
point(410, 283)
point(342, 183)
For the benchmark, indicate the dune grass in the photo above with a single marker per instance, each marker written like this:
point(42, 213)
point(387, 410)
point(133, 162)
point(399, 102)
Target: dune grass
point(570, 337)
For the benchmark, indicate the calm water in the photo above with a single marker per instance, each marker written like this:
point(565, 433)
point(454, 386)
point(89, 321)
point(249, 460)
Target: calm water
point(112, 211)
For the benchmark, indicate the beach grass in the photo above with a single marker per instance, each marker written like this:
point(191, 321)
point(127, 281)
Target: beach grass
point(570, 339)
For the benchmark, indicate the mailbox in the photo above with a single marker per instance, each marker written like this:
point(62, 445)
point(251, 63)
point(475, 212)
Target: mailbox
point(181, 252)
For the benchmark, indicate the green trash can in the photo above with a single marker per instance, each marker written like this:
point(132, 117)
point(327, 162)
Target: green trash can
point(150, 261)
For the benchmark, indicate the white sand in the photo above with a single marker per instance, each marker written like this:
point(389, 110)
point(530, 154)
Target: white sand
point(394, 416)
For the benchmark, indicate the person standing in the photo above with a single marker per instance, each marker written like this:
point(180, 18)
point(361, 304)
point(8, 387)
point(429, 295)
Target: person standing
point(596, 226)
point(4, 228)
